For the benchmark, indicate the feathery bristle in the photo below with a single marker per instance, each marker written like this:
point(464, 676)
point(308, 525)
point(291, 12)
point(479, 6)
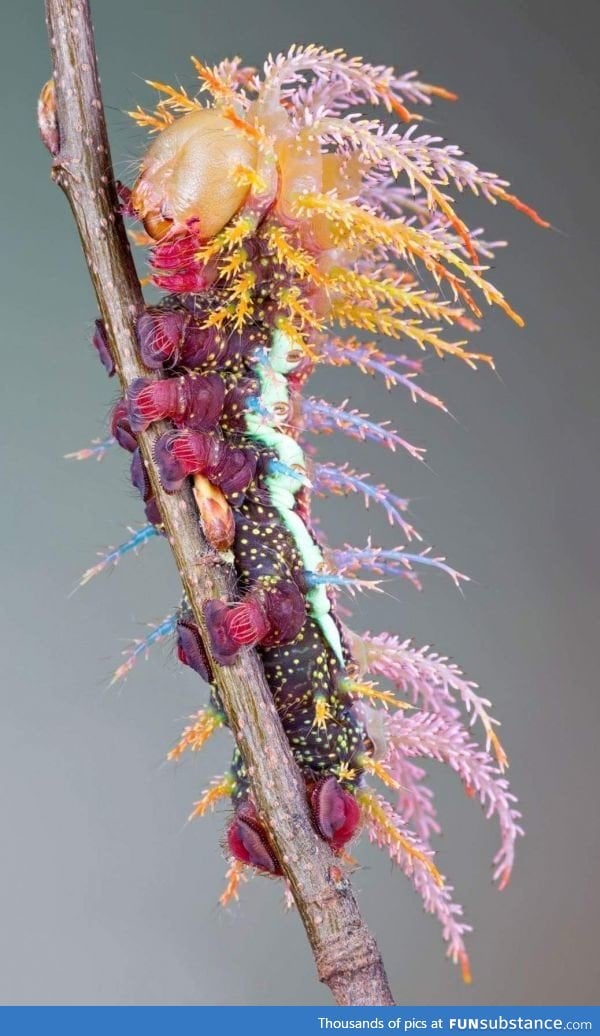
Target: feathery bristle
point(220, 788)
point(195, 736)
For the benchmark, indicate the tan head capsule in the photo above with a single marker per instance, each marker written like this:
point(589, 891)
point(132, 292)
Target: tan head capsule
point(189, 173)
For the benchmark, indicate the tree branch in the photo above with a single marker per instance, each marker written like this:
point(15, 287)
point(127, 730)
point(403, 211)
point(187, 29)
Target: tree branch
point(74, 129)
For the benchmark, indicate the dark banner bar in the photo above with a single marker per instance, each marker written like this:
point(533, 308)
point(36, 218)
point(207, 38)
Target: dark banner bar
point(296, 1021)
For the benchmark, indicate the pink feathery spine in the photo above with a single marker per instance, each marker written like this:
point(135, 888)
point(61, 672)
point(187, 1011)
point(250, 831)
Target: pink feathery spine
point(276, 214)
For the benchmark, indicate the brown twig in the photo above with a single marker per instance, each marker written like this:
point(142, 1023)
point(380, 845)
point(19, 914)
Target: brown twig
point(74, 129)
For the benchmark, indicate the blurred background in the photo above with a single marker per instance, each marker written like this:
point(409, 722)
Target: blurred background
point(107, 895)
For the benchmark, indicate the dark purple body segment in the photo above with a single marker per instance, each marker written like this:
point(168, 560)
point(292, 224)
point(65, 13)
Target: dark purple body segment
point(179, 454)
point(174, 335)
point(190, 401)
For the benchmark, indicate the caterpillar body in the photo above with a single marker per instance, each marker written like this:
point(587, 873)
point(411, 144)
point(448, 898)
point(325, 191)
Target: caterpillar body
point(261, 470)
point(276, 215)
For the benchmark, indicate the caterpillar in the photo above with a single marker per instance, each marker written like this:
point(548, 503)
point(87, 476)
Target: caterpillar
point(277, 216)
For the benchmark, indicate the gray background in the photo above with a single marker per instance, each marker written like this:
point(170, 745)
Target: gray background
point(107, 896)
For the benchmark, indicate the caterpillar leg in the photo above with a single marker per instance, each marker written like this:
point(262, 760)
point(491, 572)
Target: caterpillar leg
point(174, 334)
point(265, 616)
point(182, 453)
point(335, 811)
point(248, 841)
point(336, 817)
point(192, 401)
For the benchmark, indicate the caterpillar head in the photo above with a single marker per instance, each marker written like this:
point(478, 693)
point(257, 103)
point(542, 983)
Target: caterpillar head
point(211, 164)
point(188, 173)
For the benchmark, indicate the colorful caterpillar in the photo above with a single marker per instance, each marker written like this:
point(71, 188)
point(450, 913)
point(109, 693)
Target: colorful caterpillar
point(276, 214)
